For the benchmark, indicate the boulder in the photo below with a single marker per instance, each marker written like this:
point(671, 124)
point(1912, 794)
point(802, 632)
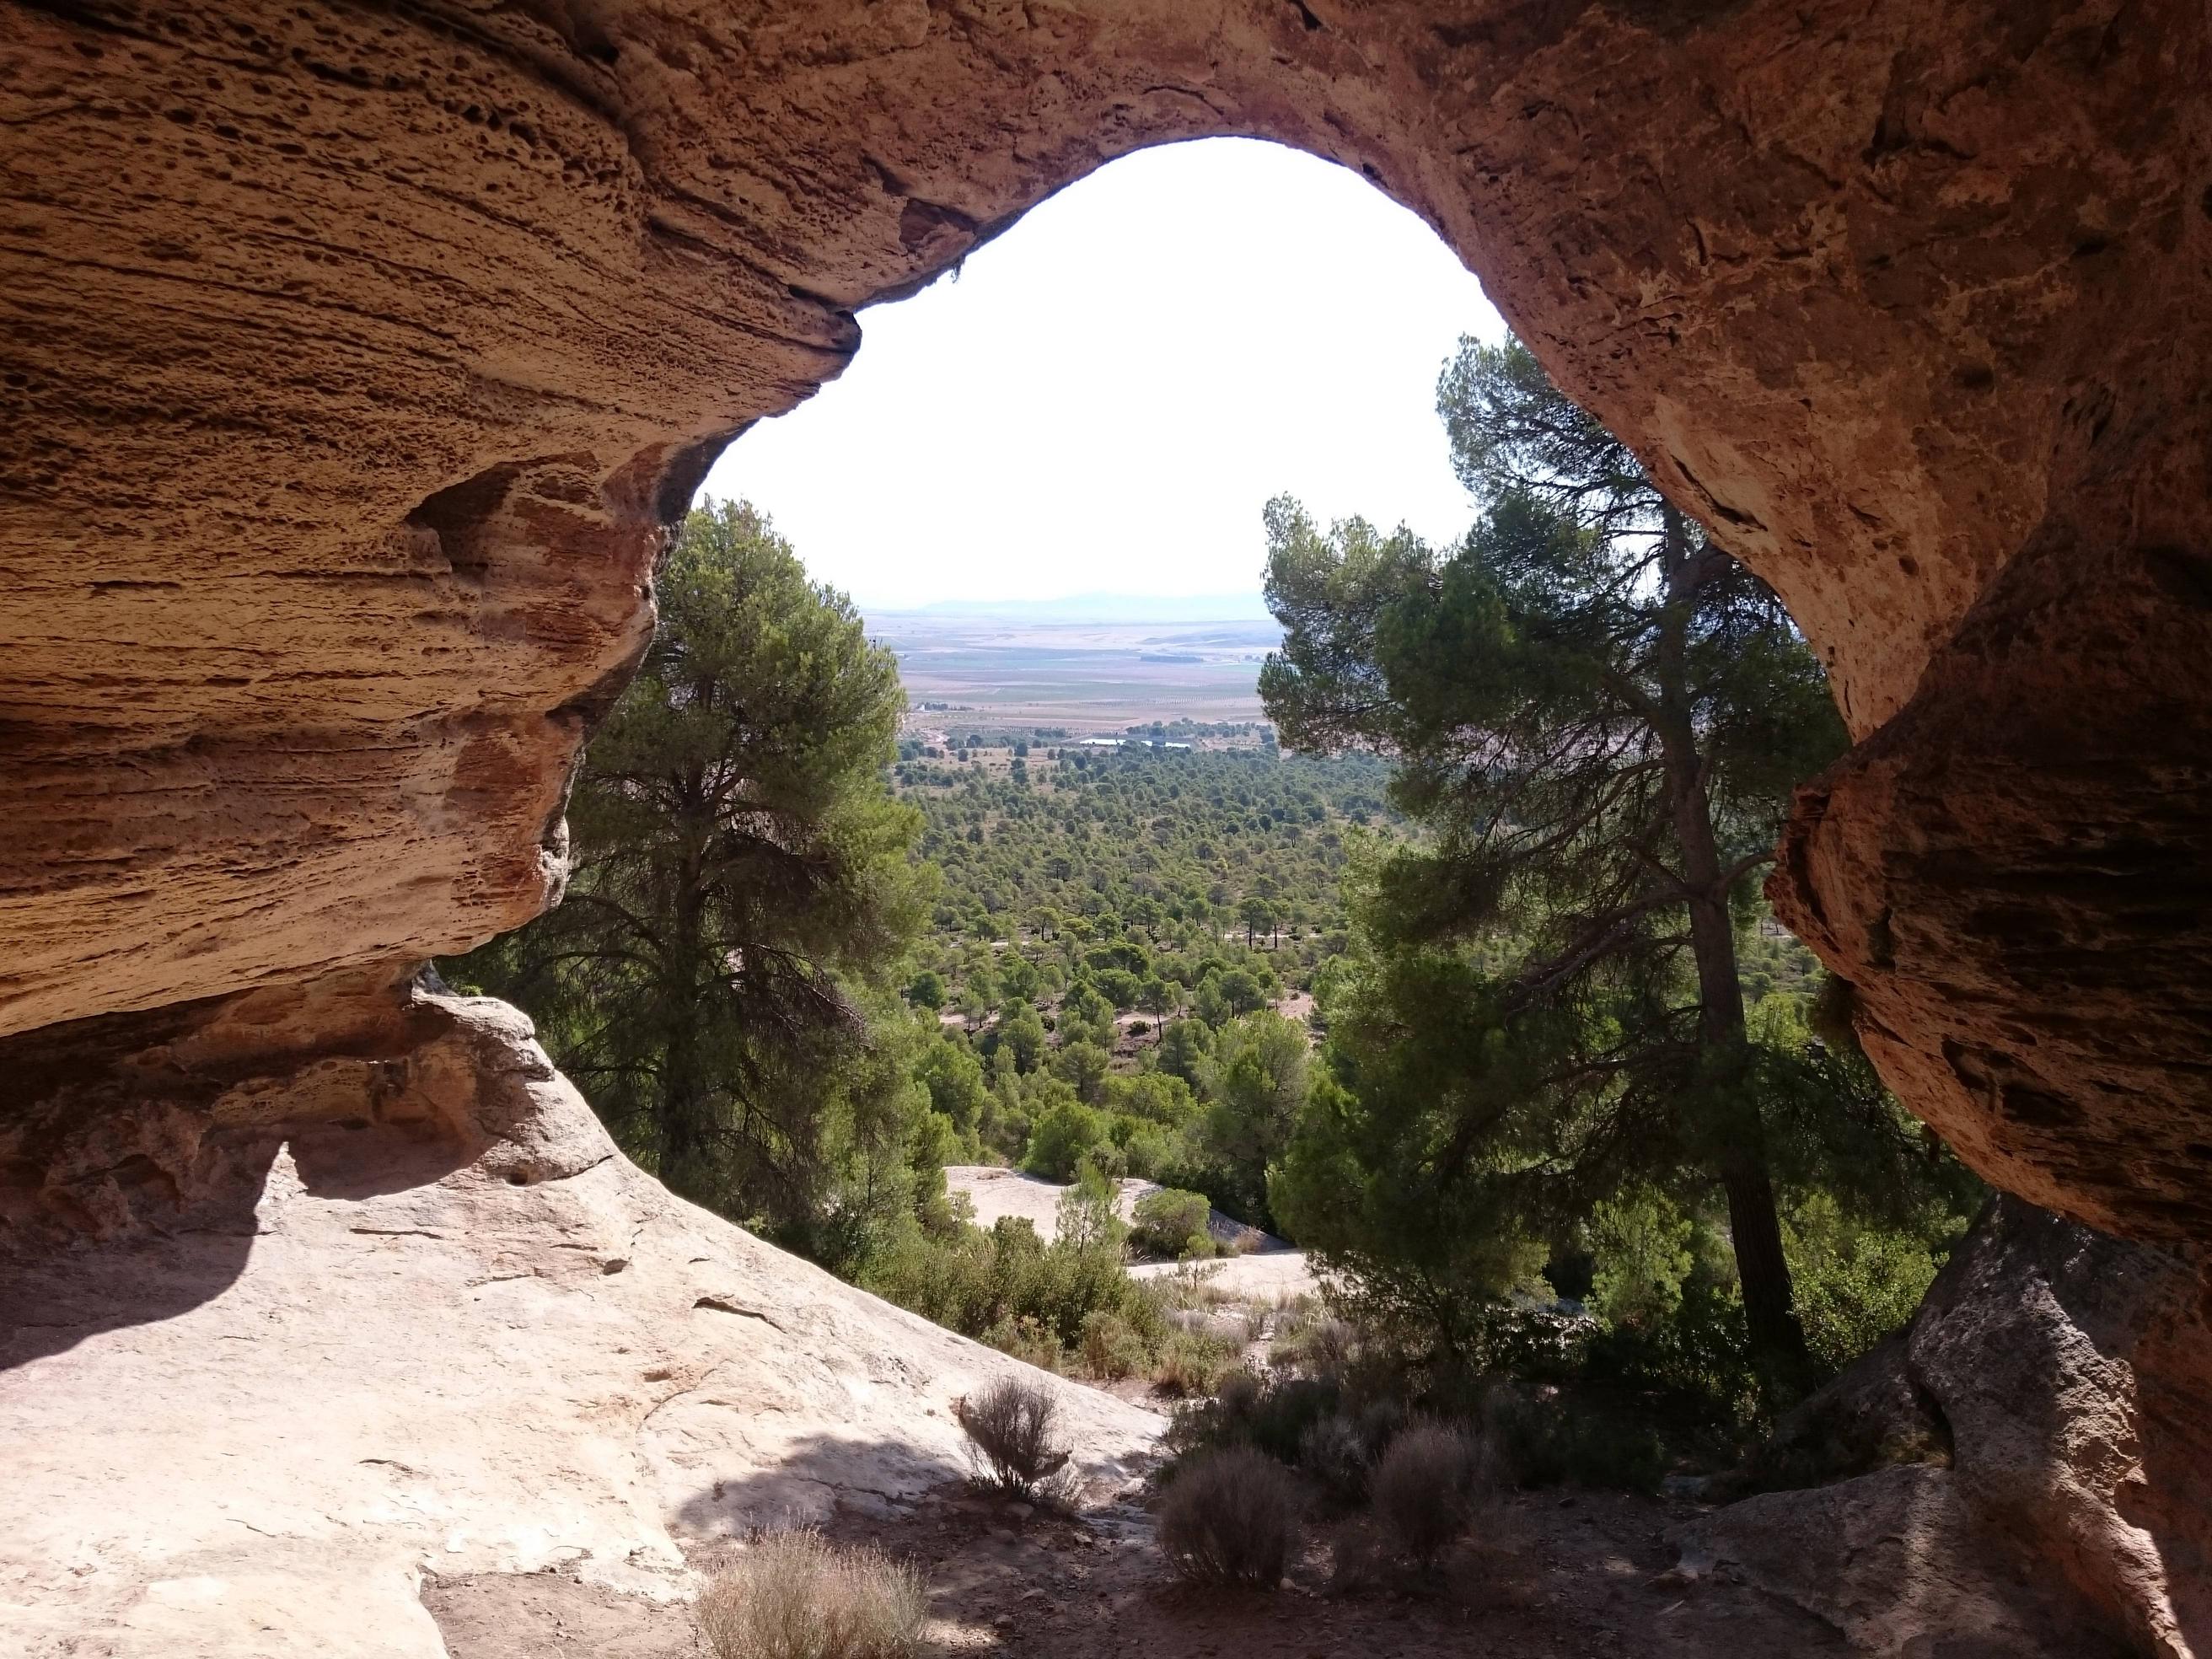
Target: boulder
point(2057, 1379)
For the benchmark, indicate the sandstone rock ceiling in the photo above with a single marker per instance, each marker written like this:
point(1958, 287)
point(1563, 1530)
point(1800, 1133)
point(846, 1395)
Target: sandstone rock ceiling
point(355, 357)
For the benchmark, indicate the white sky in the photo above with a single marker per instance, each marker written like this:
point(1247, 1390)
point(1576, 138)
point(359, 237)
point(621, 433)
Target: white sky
point(1106, 396)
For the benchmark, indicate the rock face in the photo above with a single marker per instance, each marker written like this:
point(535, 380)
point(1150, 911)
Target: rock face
point(289, 1332)
point(2070, 1376)
point(354, 357)
point(2018, 887)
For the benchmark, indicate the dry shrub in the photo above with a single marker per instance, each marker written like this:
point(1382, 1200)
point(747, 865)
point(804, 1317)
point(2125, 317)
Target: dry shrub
point(797, 1595)
point(1311, 1342)
point(1424, 1488)
point(1379, 1423)
point(1229, 1517)
point(1011, 1428)
point(1333, 1452)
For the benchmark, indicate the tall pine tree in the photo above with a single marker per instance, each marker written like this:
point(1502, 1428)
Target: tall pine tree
point(745, 883)
point(1597, 716)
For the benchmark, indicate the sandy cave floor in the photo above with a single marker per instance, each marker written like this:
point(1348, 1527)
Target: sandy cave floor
point(1576, 1574)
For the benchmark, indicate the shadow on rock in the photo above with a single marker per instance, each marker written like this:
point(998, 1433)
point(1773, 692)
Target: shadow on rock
point(822, 1478)
point(137, 1151)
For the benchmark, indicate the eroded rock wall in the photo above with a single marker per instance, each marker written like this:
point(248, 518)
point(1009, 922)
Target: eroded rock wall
point(353, 357)
point(2019, 880)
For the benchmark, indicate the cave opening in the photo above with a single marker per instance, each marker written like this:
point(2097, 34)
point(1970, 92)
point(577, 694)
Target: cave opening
point(1100, 399)
point(1913, 299)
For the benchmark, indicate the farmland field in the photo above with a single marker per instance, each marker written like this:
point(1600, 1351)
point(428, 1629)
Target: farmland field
point(1084, 675)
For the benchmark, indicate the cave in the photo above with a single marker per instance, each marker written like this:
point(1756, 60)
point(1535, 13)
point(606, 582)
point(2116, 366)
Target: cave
point(357, 358)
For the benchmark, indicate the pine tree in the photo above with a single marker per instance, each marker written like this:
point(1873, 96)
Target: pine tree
point(1597, 716)
point(743, 886)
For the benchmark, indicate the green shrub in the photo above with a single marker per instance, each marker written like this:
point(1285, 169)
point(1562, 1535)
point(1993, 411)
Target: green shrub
point(1279, 1418)
point(1854, 1286)
point(1111, 1347)
point(1578, 1439)
point(1690, 1374)
point(1028, 1339)
point(796, 1595)
point(1010, 1289)
point(1169, 1222)
point(1063, 1136)
point(1271, 1413)
point(1191, 1364)
point(1230, 1516)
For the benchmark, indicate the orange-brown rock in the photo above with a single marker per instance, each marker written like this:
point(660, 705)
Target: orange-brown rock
point(354, 357)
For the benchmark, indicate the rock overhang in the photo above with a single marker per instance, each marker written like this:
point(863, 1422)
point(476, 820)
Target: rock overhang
point(358, 357)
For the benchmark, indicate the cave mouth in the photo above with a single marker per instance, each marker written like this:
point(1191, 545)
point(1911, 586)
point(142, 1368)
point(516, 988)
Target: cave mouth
point(1099, 400)
point(1914, 307)
point(1912, 312)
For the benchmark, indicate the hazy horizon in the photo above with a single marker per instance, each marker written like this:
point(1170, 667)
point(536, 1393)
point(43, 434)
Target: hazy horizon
point(1091, 607)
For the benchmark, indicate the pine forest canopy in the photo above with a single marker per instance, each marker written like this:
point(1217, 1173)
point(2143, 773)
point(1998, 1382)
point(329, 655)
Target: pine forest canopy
point(1465, 984)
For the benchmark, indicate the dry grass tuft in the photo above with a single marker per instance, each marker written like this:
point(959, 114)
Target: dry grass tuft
point(797, 1595)
point(1231, 1517)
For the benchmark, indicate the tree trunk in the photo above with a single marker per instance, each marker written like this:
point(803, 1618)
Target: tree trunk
point(1777, 1339)
point(678, 1150)
point(1770, 1318)
point(682, 1136)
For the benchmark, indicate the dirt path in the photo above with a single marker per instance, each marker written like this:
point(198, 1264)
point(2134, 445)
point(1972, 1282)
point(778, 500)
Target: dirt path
point(1548, 1576)
point(1581, 1575)
point(996, 1192)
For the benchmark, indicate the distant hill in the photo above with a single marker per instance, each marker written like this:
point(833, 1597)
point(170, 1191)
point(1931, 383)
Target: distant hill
point(1096, 608)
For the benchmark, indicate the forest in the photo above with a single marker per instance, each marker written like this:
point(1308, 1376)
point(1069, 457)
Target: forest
point(1455, 973)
